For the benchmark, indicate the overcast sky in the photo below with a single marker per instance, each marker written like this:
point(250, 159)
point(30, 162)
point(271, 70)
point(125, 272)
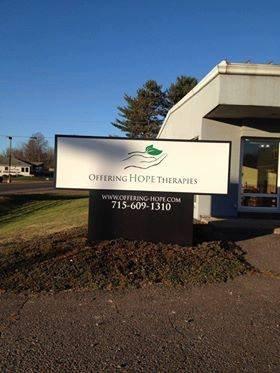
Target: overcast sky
point(65, 64)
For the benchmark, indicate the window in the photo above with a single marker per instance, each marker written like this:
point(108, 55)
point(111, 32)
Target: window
point(6, 168)
point(259, 171)
point(22, 169)
point(26, 169)
point(260, 165)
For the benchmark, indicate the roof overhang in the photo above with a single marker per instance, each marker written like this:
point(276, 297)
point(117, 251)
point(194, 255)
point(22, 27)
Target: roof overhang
point(230, 103)
point(225, 67)
point(244, 111)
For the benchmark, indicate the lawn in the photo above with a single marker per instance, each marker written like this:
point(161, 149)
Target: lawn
point(28, 216)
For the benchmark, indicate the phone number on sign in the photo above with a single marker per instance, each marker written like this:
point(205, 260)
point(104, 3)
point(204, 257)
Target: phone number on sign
point(154, 206)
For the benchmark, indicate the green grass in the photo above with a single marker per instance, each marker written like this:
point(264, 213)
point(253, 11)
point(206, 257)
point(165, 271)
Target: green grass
point(24, 217)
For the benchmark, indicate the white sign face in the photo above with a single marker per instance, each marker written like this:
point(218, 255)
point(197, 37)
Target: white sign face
point(142, 165)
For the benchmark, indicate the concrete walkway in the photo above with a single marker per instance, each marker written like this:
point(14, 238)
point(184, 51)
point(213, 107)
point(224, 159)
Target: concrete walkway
point(263, 253)
point(255, 237)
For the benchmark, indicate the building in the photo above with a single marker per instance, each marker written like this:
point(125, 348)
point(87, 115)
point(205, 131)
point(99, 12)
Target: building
point(237, 102)
point(36, 168)
point(18, 168)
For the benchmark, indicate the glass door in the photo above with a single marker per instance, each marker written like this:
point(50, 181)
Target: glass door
point(259, 189)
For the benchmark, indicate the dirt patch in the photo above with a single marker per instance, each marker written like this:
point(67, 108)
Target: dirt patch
point(66, 260)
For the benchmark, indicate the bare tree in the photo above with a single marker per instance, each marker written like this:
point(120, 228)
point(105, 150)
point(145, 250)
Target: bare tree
point(36, 149)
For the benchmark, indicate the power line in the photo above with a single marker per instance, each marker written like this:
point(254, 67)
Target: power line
point(26, 137)
point(15, 136)
point(95, 122)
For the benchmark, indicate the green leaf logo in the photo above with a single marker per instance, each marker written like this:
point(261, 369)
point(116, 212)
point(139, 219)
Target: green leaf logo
point(153, 151)
point(144, 159)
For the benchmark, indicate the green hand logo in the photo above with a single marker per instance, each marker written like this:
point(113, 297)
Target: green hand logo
point(151, 157)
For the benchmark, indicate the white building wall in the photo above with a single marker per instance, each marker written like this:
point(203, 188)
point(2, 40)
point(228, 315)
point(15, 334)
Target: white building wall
point(251, 90)
point(184, 120)
point(216, 130)
point(15, 170)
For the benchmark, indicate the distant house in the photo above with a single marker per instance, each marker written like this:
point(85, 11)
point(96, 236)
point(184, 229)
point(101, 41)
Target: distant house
point(36, 168)
point(22, 167)
point(18, 168)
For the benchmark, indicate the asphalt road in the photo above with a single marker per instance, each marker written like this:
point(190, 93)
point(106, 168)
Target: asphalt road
point(228, 327)
point(26, 187)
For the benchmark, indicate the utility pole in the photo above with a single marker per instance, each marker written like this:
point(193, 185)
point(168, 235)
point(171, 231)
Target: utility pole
point(10, 160)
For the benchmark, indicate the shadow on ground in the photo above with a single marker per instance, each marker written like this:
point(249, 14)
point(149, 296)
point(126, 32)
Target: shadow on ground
point(238, 229)
point(10, 202)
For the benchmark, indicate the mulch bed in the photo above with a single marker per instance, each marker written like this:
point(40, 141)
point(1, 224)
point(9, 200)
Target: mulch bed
point(66, 260)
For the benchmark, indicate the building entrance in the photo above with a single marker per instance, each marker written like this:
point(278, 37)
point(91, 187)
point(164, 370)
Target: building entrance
point(259, 174)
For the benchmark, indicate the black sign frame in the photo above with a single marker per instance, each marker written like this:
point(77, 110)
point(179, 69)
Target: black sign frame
point(127, 138)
